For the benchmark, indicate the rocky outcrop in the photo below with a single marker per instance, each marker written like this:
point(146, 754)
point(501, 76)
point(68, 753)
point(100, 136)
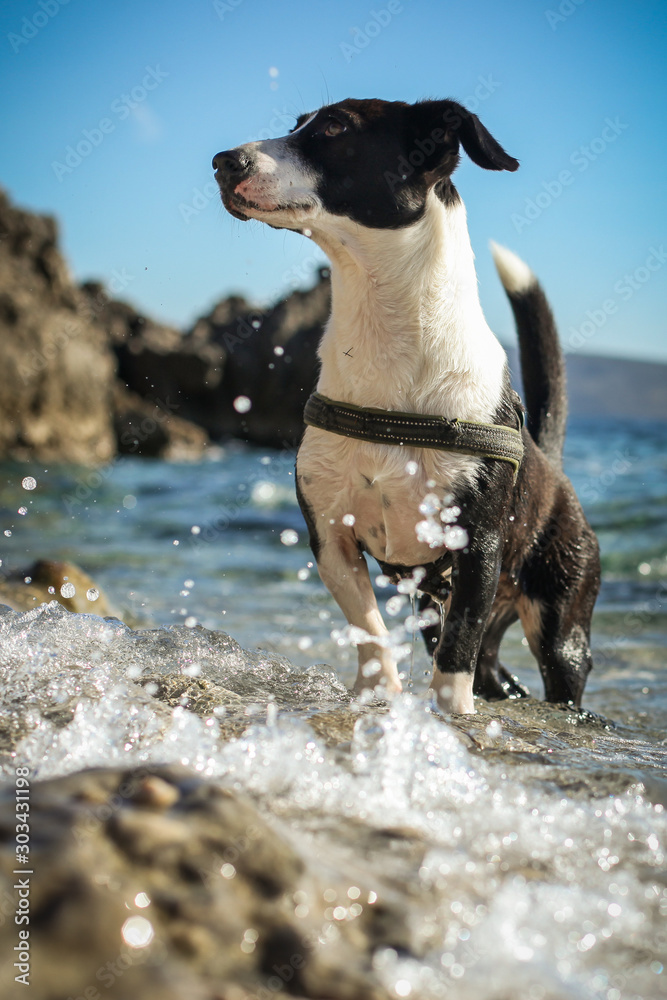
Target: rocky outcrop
point(57, 367)
point(270, 360)
point(153, 430)
point(236, 351)
point(60, 345)
point(154, 883)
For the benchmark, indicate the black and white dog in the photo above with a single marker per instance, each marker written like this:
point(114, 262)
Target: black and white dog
point(370, 182)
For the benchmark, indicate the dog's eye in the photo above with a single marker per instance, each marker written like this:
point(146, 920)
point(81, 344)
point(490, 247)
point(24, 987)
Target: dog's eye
point(334, 128)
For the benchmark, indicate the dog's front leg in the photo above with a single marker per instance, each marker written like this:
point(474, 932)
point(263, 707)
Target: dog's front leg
point(475, 573)
point(344, 572)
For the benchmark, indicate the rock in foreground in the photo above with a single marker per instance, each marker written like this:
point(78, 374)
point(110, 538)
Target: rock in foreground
point(154, 883)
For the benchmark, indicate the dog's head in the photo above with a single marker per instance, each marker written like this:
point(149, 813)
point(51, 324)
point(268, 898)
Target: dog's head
point(373, 162)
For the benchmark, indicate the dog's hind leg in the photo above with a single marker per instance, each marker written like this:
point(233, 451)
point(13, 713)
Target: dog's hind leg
point(431, 633)
point(559, 585)
point(492, 680)
point(561, 646)
point(558, 634)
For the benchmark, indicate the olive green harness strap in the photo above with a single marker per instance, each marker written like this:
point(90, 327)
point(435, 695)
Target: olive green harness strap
point(416, 430)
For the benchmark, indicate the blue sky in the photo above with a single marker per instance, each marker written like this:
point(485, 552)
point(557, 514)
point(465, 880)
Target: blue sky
point(575, 89)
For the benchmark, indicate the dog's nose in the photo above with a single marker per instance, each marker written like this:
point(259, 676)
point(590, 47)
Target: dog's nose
point(231, 161)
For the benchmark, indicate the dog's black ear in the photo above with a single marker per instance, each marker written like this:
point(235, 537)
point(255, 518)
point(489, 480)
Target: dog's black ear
point(448, 123)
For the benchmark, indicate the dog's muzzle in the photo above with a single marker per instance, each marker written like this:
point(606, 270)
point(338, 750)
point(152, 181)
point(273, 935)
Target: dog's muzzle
point(232, 167)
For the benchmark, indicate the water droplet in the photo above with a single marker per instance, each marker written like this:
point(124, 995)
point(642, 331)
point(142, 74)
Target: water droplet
point(644, 568)
point(7, 533)
point(263, 492)
point(92, 594)
point(142, 900)
point(394, 604)
point(23, 510)
point(195, 529)
point(137, 932)
point(190, 621)
point(411, 468)
point(189, 584)
point(129, 501)
point(29, 483)
point(289, 537)
point(303, 574)
point(349, 519)
point(67, 590)
point(242, 404)
point(456, 537)
point(430, 504)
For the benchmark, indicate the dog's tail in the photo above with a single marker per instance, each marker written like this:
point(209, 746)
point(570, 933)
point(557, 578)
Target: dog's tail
point(542, 362)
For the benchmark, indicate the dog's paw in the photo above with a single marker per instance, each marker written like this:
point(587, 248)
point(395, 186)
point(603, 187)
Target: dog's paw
point(382, 680)
point(498, 684)
point(453, 693)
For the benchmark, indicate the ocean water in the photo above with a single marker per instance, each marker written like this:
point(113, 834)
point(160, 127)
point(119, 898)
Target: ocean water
point(527, 843)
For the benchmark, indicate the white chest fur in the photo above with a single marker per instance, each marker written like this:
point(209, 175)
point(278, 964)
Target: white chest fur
point(406, 332)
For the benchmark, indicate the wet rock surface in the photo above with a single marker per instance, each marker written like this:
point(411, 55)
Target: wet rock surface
point(49, 580)
point(155, 883)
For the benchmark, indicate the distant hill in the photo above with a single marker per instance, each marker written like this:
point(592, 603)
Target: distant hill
point(611, 387)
